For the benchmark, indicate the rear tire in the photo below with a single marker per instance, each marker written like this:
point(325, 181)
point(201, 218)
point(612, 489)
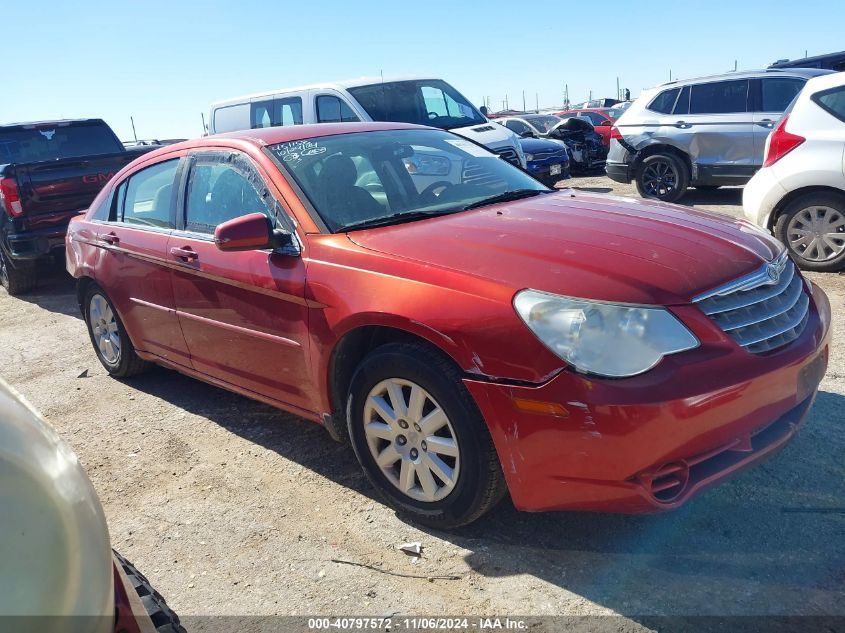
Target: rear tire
point(662, 177)
point(164, 618)
point(111, 343)
point(459, 447)
point(813, 229)
point(16, 278)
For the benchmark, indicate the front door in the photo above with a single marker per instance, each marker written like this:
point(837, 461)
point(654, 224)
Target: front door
point(243, 314)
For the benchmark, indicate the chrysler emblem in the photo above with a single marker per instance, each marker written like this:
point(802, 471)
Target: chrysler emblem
point(774, 270)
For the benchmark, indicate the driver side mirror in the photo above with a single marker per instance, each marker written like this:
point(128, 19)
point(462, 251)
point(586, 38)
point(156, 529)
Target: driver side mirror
point(484, 110)
point(248, 233)
point(528, 134)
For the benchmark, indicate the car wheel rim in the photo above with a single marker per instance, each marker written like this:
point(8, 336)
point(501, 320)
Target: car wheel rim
point(817, 234)
point(104, 329)
point(411, 440)
point(659, 178)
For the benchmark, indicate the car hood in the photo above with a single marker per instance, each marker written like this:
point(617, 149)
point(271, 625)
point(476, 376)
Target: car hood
point(591, 246)
point(489, 134)
point(534, 145)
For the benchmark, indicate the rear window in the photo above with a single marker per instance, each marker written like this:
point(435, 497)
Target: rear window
point(32, 144)
point(719, 97)
point(832, 101)
point(665, 101)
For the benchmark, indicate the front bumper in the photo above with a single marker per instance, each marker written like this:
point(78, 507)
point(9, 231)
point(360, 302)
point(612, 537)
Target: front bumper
point(541, 170)
point(650, 442)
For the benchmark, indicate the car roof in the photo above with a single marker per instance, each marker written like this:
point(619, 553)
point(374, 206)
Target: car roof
point(750, 74)
point(284, 134)
point(826, 81)
point(342, 85)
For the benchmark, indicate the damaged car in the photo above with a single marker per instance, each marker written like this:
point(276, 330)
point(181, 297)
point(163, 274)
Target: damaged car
point(546, 159)
point(702, 133)
point(469, 331)
point(585, 147)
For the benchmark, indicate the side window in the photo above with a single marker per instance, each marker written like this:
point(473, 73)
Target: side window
point(665, 101)
point(262, 114)
point(331, 109)
point(833, 101)
point(231, 118)
point(682, 104)
point(719, 97)
point(595, 118)
point(778, 92)
point(288, 111)
point(146, 198)
point(218, 192)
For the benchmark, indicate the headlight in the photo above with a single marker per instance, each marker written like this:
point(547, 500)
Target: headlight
point(603, 338)
point(529, 157)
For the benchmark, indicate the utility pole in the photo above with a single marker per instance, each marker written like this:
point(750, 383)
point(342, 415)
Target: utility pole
point(133, 129)
point(735, 65)
point(537, 101)
point(523, 101)
point(204, 128)
point(566, 97)
point(670, 74)
point(618, 92)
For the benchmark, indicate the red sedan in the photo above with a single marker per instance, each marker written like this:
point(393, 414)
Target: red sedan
point(470, 331)
point(601, 121)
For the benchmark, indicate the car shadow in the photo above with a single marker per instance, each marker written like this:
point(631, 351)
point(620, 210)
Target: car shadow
point(55, 291)
point(728, 196)
point(769, 541)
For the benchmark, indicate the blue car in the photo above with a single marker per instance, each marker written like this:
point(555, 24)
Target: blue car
point(547, 160)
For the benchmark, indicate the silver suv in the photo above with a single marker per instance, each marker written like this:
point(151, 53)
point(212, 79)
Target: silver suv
point(703, 132)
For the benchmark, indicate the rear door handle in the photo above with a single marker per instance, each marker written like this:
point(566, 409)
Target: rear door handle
point(766, 122)
point(110, 238)
point(185, 253)
point(683, 125)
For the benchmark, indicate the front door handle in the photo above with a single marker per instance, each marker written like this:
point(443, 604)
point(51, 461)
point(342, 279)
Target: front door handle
point(185, 253)
point(683, 125)
point(110, 238)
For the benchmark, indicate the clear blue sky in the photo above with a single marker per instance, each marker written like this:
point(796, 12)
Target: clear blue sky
point(164, 62)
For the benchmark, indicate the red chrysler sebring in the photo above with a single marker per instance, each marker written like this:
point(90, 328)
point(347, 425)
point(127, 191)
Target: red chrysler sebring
point(468, 330)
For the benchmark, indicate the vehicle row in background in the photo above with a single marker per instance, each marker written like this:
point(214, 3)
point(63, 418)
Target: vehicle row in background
point(701, 133)
point(799, 194)
point(584, 144)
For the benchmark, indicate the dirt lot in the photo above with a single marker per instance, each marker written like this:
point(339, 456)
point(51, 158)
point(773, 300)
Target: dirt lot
point(231, 507)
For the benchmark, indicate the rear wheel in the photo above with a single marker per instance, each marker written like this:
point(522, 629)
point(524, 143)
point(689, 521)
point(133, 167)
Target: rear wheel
point(420, 438)
point(108, 336)
point(662, 177)
point(813, 229)
point(16, 278)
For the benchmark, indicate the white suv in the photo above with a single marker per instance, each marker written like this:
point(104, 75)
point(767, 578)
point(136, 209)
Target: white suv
point(799, 194)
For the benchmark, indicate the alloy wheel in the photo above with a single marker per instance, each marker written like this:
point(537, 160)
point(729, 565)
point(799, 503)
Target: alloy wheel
point(817, 233)
point(659, 178)
point(411, 440)
point(104, 329)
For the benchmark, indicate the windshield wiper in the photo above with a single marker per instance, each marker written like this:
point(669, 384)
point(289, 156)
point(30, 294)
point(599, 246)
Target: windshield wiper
point(395, 218)
point(507, 196)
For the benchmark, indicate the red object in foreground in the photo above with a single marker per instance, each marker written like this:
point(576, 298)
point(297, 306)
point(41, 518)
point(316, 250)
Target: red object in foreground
point(290, 326)
point(781, 143)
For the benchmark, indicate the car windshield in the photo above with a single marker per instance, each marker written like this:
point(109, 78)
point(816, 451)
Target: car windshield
point(366, 179)
point(424, 102)
point(543, 123)
point(35, 143)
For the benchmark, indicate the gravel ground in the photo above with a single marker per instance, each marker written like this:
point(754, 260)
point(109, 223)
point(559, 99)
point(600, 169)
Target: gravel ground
point(232, 507)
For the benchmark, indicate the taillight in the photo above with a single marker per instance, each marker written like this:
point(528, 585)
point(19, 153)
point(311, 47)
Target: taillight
point(615, 133)
point(781, 143)
point(10, 198)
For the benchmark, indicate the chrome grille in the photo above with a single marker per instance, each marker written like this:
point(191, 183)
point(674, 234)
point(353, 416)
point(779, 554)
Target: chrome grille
point(763, 311)
point(509, 154)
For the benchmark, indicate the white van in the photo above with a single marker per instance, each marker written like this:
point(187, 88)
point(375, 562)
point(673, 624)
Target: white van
point(419, 100)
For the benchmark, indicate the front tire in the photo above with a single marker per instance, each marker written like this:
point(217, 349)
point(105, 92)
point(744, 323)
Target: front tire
point(662, 177)
point(813, 229)
point(420, 438)
point(111, 343)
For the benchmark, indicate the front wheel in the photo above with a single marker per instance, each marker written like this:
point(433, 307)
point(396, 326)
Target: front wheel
point(662, 177)
point(813, 229)
point(420, 438)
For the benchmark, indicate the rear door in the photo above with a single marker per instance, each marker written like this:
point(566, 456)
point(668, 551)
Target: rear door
point(133, 268)
point(243, 314)
point(772, 95)
point(720, 118)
